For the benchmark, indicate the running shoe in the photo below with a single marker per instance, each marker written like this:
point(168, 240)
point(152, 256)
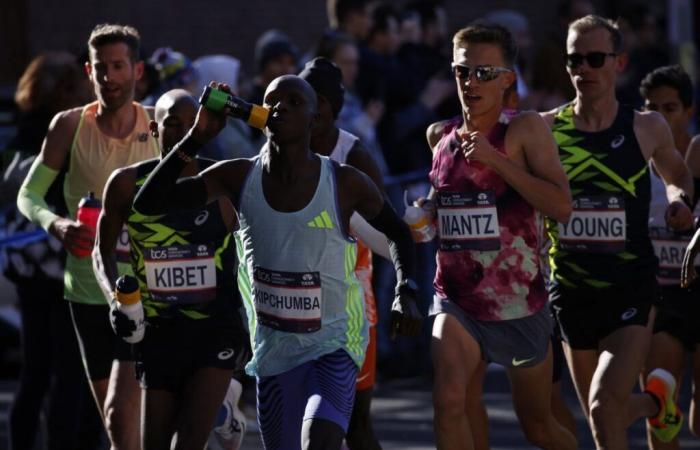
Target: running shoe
point(666, 425)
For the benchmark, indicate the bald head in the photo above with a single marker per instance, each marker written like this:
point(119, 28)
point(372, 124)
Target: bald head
point(172, 99)
point(296, 83)
point(175, 114)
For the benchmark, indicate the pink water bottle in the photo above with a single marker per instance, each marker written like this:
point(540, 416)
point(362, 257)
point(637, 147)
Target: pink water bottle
point(88, 212)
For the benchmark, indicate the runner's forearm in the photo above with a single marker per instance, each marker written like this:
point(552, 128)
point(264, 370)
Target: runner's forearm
point(104, 264)
point(31, 197)
point(400, 242)
point(162, 192)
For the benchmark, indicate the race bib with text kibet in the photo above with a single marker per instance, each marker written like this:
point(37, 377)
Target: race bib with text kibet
point(181, 274)
point(288, 301)
point(597, 225)
point(468, 221)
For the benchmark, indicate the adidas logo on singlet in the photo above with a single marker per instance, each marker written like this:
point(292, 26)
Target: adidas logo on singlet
point(323, 220)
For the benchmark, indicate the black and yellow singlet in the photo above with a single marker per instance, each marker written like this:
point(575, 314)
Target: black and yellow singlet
point(185, 262)
point(606, 241)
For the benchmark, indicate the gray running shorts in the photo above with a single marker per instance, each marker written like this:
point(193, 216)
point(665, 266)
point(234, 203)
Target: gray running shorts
point(511, 343)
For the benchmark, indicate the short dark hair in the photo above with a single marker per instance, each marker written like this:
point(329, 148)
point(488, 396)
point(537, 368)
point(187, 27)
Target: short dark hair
point(339, 10)
point(592, 22)
point(672, 76)
point(107, 33)
point(487, 33)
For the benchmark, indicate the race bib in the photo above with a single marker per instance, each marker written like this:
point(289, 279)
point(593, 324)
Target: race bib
point(468, 221)
point(182, 274)
point(669, 248)
point(288, 301)
point(123, 249)
point(597, 225)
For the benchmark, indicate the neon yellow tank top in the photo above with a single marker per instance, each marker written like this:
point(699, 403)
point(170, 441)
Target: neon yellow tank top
point(93, 158)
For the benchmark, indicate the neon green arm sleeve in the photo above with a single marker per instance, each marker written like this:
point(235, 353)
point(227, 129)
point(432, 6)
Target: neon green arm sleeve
point(30, 200)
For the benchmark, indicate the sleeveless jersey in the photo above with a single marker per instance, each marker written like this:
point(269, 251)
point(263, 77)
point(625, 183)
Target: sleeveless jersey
point(487, 260)
point(363, 268)
point(297, 279)
point(185, 262)
point(669, 245)
point(93, 158)
point(606, 240)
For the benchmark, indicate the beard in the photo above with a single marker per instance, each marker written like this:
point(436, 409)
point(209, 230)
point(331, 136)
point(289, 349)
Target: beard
point(115, 98)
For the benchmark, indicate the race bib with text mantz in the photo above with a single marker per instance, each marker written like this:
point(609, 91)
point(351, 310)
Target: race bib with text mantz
point(597, 225)
point(181, 274)
point(288, 301)
point(468, 221)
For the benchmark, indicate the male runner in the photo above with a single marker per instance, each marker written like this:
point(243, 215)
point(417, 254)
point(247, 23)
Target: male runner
point(305, 314)
point(195, 337)
point(328, 140)
point(92, 142)
point(669, 91)
point(603, 281)
point(490, 177)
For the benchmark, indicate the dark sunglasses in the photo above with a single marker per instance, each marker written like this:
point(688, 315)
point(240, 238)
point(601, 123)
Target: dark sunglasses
point(595, 60)
point(481, 73)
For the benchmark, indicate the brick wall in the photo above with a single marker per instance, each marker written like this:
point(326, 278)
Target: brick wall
point(203, 27)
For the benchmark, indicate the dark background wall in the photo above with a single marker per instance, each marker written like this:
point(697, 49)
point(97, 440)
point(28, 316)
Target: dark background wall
point(199, 27)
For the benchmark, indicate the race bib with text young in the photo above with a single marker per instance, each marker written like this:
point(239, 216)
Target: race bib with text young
point(468, 221)
point(288, 301)
point(181, 274)
point(597, 225)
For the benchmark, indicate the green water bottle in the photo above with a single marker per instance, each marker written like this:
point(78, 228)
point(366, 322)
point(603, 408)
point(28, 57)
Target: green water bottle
point(216, 100)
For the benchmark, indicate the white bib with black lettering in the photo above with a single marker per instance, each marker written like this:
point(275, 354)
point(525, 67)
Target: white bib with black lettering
point(669, 248)
point(182, 274)
point(288, 301)
point(468, 221)
point(598, 224)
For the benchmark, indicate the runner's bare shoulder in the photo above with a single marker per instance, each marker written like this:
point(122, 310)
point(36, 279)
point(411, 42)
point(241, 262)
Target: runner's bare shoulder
point(434, 133)
point(549, 116)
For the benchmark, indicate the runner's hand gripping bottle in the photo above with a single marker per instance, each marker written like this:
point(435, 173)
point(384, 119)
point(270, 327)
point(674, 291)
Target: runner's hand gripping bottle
point(216, 100)
point(126, 313)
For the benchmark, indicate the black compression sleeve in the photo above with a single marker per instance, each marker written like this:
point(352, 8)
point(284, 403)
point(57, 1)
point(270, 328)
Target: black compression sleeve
point(162, 193)
point(401, 244)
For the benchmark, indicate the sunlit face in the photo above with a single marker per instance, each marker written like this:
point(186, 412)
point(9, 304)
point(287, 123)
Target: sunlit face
point(593, 82)
point(113, 74)
point(175, 121)
point(347, 58)
point(292, 102)
point(481, 97)
point(665, 100)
